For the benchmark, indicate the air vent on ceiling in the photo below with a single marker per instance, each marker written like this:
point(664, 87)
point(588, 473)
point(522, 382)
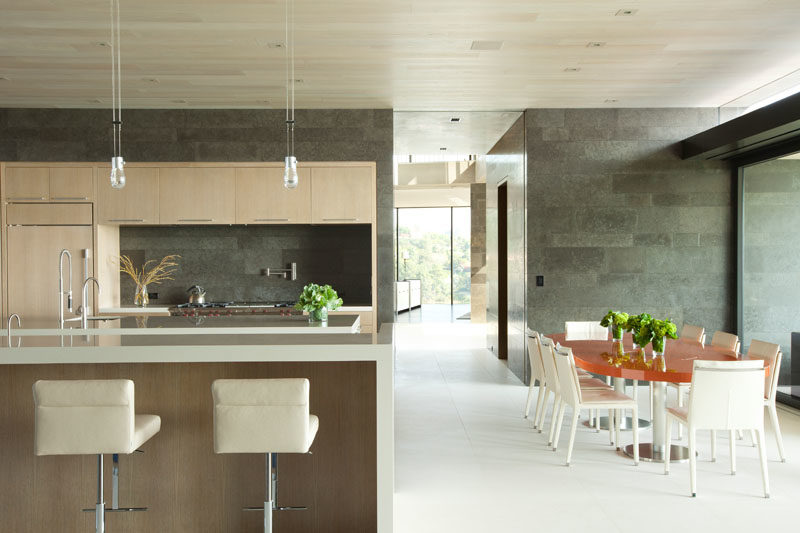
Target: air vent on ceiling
point(443, 148)
point(486, 45)
point(455, 119)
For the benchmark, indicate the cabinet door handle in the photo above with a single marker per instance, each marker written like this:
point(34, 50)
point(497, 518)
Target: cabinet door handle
point(126, 220)
point(195, 220)
point(71, 198)
point(340, 219)
point(27, 198)
point(272, 220)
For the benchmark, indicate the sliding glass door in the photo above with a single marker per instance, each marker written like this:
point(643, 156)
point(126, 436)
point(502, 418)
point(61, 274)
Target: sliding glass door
point(769, 264)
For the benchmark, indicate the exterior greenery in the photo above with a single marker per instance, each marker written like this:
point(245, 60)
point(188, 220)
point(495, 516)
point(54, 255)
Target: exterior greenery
point(424, 254)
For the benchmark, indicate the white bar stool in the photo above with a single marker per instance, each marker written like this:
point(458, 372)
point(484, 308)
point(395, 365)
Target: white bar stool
point(88, 417)
point(267, 416)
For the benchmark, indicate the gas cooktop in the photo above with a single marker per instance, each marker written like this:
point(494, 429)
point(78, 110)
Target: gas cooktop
point(284, 308)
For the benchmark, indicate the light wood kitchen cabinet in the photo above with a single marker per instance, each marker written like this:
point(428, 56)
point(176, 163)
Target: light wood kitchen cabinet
point(136, 203)
point(197, 195)
point(261, 197)
point(32, 269)
point(27, 184)
point(342, 195)
point(49, 184)
point(71, 184)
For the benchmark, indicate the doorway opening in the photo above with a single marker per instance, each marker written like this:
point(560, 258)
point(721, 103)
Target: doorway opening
point(502, 270)
point(433, 264)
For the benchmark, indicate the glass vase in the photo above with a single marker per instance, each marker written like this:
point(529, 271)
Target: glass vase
point(141, 298)
point(659, 343)
point(319, 316)
point(616, 333)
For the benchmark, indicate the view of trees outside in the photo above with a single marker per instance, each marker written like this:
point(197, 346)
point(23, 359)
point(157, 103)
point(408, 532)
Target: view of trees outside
point(424, 251)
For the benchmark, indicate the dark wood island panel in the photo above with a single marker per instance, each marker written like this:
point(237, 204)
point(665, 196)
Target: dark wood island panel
point(186, 486)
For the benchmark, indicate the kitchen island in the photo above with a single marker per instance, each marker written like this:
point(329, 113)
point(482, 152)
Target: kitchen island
point(347, 482)
point(195, 325)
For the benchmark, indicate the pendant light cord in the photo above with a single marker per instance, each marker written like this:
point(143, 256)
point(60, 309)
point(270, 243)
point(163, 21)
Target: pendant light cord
point(116, 80)
point(289, 44)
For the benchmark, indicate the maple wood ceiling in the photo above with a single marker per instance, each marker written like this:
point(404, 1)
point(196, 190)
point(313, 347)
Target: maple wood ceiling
point(407, 55)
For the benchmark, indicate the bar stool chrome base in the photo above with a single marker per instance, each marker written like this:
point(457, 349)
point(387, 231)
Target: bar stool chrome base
point(678, 453)
point(625, 425)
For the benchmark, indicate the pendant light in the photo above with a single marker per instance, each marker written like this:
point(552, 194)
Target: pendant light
point(290, 171)
point(117, 162)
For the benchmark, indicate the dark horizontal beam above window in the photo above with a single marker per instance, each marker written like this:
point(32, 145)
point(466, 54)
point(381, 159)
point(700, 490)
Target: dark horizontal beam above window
point(777, 123)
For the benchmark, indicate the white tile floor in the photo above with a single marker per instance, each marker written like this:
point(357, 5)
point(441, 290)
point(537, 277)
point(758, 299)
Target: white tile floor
point(468, 462)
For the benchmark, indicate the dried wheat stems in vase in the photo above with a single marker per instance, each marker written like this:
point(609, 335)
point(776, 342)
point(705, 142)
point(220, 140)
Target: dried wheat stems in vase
point(158, 273)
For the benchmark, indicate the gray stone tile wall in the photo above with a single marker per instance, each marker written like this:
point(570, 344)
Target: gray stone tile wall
point(229, 261)
point(771, 275)
point(616, 219)
point(178, 135)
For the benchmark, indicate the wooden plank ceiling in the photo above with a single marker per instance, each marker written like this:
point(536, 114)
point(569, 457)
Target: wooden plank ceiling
point(403, 54)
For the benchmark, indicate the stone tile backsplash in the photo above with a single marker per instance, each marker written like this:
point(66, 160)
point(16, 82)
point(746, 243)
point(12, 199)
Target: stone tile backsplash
point(228, 261)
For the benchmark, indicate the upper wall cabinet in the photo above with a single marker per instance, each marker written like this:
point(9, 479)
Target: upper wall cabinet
point(136, 203)
point(261, 197)
point(49, 184)
point(342, 195)
point(197, 195)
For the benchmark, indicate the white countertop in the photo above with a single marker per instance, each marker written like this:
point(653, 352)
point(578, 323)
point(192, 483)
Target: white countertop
point(223, 325)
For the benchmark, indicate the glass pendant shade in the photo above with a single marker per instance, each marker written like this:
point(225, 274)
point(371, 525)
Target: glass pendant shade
point(290, 173)
point(118, 172)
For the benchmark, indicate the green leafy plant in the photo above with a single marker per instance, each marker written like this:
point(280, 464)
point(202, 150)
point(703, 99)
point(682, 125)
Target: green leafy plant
point(315, 297)
point(617, 320)
point(637, 325)
point(660, 330)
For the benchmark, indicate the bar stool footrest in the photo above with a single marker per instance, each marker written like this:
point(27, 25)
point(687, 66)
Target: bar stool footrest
point(118, 510)
point(276, 509)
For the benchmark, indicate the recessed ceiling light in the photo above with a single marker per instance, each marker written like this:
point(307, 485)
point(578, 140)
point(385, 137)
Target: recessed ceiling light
point(443, 148)
point(486, 45)
point(455, 119)
point(626, 12)
point(595, 44)
point(572, 69)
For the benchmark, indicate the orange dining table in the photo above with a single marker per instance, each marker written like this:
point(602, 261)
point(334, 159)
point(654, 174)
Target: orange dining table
point(621, 362)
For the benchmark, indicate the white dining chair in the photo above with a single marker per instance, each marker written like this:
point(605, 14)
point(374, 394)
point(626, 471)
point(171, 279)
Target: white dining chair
point(585, 331)
point(688, 333)
point(728, 341)
point(725, 396)
point(547, 348)
point(537, 375)
point(693, 333)
point(578, 398)
point(771, 354)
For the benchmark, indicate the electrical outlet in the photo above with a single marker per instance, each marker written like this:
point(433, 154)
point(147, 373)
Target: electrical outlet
point(540, 281)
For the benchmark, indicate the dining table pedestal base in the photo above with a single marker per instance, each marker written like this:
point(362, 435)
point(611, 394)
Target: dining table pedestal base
point(626, 424)
point(655, 454)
